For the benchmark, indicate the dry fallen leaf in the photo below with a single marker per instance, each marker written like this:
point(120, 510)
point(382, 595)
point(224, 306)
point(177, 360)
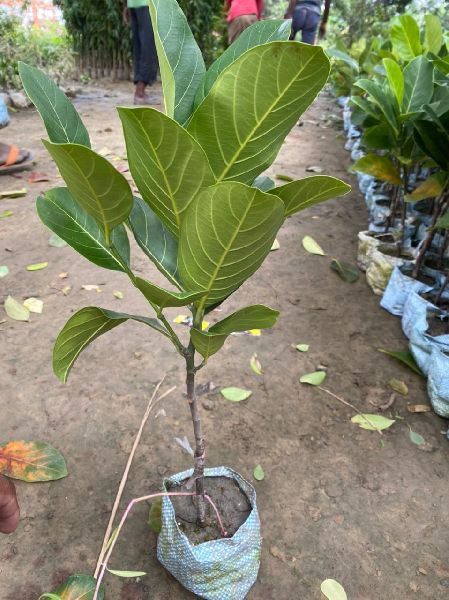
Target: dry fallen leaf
point(35, 177)
point(91, 288)
point(15, 310)
point(398, 386)
point(34, 305)
point(63, 275)
point(66, 289)
point(118, 295)
point(419, 408)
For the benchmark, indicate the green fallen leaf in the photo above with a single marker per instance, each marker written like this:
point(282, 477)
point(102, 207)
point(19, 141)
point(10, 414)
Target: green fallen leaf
point(398, 386)
point(255, 365)
point(155, 515)
point(15, 310)
point(56, 242)
point(311, 246)
point(235, 394)
point(37, 266)
point(259, 473)
point(283, 177)
point(276, 245)
point(34, 305)
point(333, 590)
point(302, 347)
point(315, 378)
point(13, 193)
point(3, 271)
point(118, 295)
point(127, 574)
point(372, 422)
point(345, 271)
point(6, 213)
point(416, 438)
point(403, 356)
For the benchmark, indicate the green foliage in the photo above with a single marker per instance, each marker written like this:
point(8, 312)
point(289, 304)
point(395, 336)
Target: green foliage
point(49, 49)
point(201, 221)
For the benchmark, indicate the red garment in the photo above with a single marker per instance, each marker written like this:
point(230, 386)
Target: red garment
point(244, 7)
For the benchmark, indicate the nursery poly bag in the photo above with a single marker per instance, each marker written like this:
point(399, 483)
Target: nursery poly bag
point(221, 569)
point(414, 315)
point(380, 268)
point(438, 382)
point(367, 243)
point(398, 289)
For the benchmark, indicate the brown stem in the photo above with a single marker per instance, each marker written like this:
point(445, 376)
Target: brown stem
point(438, 209)
point(393, 207)
point(200, 444)
point(443, 287)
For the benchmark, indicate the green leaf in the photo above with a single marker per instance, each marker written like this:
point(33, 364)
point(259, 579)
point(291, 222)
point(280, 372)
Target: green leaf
point(433, 34)
point(418, 84)
point(309, 191)
point(263, 183)
point(398, 386)
point(209, 342)
point(49, 596)
point(259, 473)
point(416, 438)
point(383, 98)
point(244, 222)
point(333, 590)
point(155, 515)
point(311, 246)
point(15, 310)
point(315, 378)
point(95, 184)
point(405, 38)
point(395, 78)
point(443, 222)
point(344, 270)
point(62, 122)
point(167, 164)
point(433, 141)
point(430, 188)
point(83, 328)
point(31, 461)
point(37, 266)
point(302, 347)
point(3, 271)
point(180, 61)
point(155, 240)
point(259, 33)
point(378, 137)
point(6, 213)
point(34, 305)
point(381, 167)
point(165, 298)
point(78, 587)
point(372, 422)
point(127, 574)
point(235, 394)
point(13, 193)
point(59, 212)
point(56, 242)
point(243, 121)
point(339, 55)
point(403, 356)
point(255, 365)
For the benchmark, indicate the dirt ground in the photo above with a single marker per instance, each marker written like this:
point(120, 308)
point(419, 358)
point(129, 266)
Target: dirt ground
point(337, 501)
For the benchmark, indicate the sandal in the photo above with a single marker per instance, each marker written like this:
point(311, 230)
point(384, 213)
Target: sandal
point(16, 160)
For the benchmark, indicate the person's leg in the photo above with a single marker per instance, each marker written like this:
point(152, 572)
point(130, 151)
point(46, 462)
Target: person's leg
point(298, 21)
point(149, 64)
point(310, 28)
point(238, 25)
point(9, 507)
point(136, 43)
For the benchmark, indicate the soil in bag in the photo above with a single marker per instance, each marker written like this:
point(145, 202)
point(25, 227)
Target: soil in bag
point(232, 504)
point(438, 326)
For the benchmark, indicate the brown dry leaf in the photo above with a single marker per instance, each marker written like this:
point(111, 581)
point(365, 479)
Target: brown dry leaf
point(66, 289)
point(35, 177)
point(91, 288)
point(419, 408)
point(277, 553)
point(63, 275)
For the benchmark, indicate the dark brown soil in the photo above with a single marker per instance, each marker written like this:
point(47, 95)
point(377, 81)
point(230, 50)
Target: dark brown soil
point(337, 501)
point(438, 326)
point(232, 504)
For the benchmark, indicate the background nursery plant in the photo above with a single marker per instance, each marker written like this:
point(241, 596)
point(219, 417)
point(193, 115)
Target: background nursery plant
point(205, 218)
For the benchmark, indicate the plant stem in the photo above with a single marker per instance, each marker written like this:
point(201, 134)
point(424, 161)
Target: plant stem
point(437, 211)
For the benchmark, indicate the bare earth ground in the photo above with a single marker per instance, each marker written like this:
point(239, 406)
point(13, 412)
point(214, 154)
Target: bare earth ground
point(336, 502)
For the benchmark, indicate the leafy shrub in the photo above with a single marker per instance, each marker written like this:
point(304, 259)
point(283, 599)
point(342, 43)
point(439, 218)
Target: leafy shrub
point(48, 49)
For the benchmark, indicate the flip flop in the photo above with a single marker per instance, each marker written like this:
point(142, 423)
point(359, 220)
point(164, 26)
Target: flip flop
point(14, 162)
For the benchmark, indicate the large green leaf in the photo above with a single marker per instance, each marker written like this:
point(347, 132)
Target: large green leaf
point(167, 164)
point(253, 105)
point(381, 167)
point(165, 298)
point(433, 36)
point(306, 192)
point(261, 32)
point(366, 107)
point(227, 232)
point(382, 97)
point(83, 328)
point(60, 213)
point(251, 317)
point(62, 122)
point(155, 239)
point(434, 141)
point(405, 38)
point(180, 60)
point(101, 190)
point(378, 137)
point(395, 78)
point(418, 84)
point(76, 587)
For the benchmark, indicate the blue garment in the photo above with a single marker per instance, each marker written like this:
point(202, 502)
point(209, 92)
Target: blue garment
point(4, 116)
point(306, 18)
